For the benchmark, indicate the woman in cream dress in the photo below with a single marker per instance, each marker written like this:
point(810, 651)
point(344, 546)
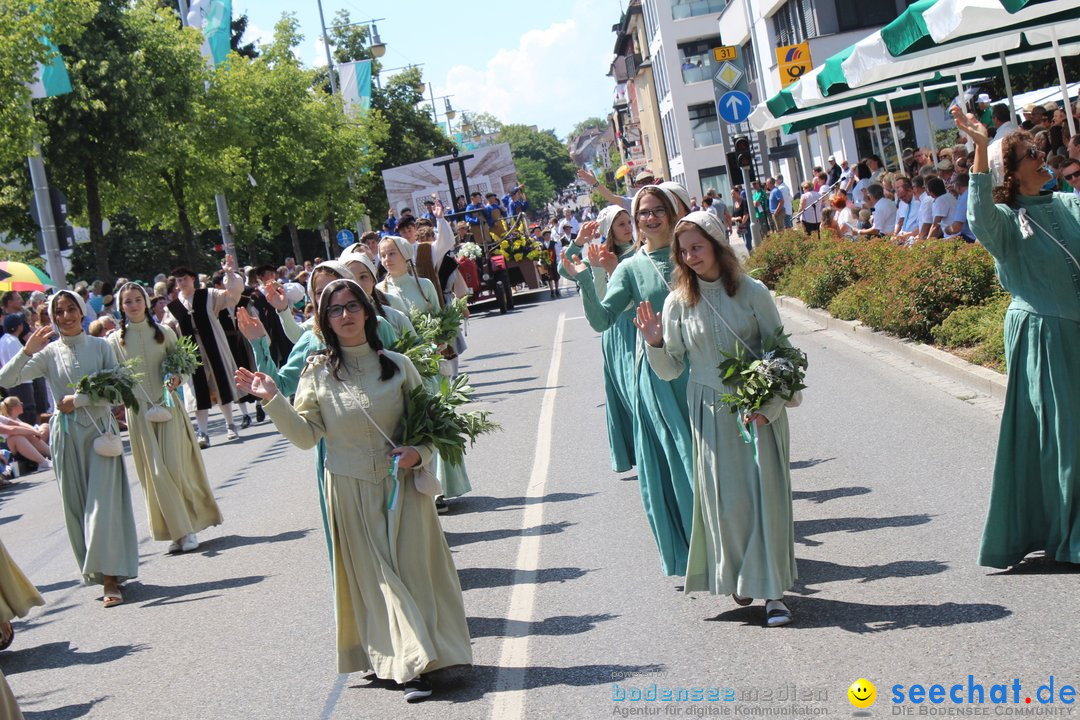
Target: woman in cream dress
point(398, 602)
point(179, 501)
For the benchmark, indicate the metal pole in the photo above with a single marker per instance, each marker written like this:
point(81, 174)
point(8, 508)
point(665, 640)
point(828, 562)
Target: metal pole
point(929, 124)
point(1061, 79)
point(219, 199)
point(895, 135)
point(960, 89)
point(326, 46)
point(762, 143)
point(434, 116)
point(40, 181)
point(877, 132)
point(1008, 86)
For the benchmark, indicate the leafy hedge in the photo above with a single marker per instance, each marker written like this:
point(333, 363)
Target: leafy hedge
point(937, 290)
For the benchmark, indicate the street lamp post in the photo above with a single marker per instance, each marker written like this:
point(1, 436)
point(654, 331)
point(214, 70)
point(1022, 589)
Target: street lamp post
point(376, 46)
point(449, 111)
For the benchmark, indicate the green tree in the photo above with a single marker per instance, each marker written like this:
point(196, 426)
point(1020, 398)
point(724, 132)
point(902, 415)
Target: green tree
point(593, 123)
point(543, 148)
point(23, 24)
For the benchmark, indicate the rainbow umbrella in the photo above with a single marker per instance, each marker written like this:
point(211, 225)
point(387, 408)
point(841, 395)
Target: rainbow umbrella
point(23, 277)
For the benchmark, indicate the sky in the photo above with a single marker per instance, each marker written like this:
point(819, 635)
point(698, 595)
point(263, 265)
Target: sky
point(539, 63)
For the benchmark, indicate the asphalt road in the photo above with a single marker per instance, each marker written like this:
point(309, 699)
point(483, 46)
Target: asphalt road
point(891, 470)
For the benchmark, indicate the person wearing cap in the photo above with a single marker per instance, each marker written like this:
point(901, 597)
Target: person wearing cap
point(194, 314)
point(743, 538)
point(834, 172)
point(613, 229)
point(165, 452)
point(83, 436)
point(398, 605)
point(427, 214)
point(982, 104)
point(662, 437)
point(518, 202)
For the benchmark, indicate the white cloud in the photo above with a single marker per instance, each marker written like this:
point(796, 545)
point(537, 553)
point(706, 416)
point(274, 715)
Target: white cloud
point(554, 78)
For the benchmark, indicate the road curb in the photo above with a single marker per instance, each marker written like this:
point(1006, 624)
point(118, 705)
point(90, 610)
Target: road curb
point(981, 379)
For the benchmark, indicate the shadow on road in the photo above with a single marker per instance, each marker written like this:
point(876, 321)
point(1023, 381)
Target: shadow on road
point(60, 654)
point(814, 572)
point(476, 578)
point(486, 503)
point(821, 496)
point(501, 368)
point(558, 625)
point(866, 618)
point(1040, 565)
point(137, 592)
point(468, 684)
point(802, 464)
point(214, 546)
point(454, 539)
point(804, 529)
point(68, 712)
point(503, 382)
point(516, 391)
point(62, 585)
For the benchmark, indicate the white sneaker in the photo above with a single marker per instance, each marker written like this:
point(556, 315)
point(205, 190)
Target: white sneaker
point(189, 543)
point(231, 434)
point(47, 465)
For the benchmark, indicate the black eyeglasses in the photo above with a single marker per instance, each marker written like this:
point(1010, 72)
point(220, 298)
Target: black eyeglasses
point(657, 213)
point(1071, 176)
point(352, 307)
point(1032, 152)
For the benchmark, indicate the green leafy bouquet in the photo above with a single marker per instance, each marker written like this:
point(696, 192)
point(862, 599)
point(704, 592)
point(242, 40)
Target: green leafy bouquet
point(424, 355)
point(113, 385)
point(434, 418)
point(778, 373)
point(184, 359)
point(442, 327)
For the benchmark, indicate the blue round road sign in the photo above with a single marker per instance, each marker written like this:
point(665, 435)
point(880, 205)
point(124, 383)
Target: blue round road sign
point(345, 237)
point(734, 106)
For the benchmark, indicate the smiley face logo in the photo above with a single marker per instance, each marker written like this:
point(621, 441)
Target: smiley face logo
point(862, 693)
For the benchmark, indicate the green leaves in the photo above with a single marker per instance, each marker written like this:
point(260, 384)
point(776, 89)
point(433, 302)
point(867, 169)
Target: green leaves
point(779, 373)
point(434, 418)
point(442, 327)
point(113, 385)
point(184, 359)
point(424, 355)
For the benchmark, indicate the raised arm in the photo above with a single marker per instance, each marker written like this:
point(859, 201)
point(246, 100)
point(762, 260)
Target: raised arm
point(665, 346)
point(301, 423)
point(603, 312)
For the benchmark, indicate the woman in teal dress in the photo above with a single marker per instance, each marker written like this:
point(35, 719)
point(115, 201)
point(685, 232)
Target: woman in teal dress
point(663, 442)
point(418, 294)
point(617, 342)
point(743, 537)
point(1035, 240)
point(94, 488)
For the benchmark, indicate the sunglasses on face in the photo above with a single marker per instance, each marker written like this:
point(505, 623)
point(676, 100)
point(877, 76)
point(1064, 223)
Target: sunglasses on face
point(1032, 152)
point(1072, 176)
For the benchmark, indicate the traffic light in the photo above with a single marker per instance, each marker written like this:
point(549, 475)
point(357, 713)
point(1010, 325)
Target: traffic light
point(743, 157)
point(734, 171)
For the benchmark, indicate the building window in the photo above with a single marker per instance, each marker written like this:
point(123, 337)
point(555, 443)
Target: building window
point(681, 9)
point(795, 22)
point(704, 125)
point(660, 73)
point(715, 178)
point(697, 60)
point(649, 7)
point(856, 14)
point(671, 138)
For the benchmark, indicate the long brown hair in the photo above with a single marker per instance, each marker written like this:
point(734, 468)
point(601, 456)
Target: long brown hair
point(333, 350)
point(159, 336)
point(656, 192)
point(1007, 193)
point(684, 281)
point(609, 242)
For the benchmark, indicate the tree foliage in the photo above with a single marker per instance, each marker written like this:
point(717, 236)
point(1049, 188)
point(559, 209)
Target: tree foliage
point(23, 25)
point(593, 123)
point(548, 155)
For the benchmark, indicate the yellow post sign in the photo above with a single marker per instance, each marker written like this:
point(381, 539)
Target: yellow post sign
point(794, 61)
point(725, 52)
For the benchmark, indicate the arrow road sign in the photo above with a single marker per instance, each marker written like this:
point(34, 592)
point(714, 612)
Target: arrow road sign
point(345, 237)
point(734, 106)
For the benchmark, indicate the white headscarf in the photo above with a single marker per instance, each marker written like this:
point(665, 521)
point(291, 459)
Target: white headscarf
point(709, 225)
point(675, 191)
point(606, 218)
point(404, 246)
point(351, 255)
point(335, 266)
point(56, 297)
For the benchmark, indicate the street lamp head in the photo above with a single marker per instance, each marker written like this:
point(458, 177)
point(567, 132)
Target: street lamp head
point(450, 112)
point(377, 47)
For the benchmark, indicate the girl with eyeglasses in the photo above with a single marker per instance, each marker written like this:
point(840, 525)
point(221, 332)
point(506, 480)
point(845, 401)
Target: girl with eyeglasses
point(398, 604)
point(662, 438)
point(94, 490)
point(1034, 237)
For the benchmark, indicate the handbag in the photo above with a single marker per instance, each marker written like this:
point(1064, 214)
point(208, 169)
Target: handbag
point(107, 443)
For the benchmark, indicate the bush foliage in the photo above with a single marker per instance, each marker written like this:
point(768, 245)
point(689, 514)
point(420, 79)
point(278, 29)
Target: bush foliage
point(936, 290)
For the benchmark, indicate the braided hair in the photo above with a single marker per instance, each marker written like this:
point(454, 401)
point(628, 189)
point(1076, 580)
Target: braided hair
point(159, 336)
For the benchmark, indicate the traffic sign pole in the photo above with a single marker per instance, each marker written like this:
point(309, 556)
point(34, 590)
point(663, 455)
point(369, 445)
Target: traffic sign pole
point(42, 199)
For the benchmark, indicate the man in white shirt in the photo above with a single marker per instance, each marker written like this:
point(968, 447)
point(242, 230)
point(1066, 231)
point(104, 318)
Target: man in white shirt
point(15, 328)
point(1003, 124)
point(1070, 172)
point(884, 211)
point(786, 191)
point(943, 206)
point(907, 210)
point(957, 226)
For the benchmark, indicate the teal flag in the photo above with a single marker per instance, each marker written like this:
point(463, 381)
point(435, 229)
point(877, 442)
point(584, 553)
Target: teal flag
point(214, 18)
point(52, 76)
point(355, 81)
